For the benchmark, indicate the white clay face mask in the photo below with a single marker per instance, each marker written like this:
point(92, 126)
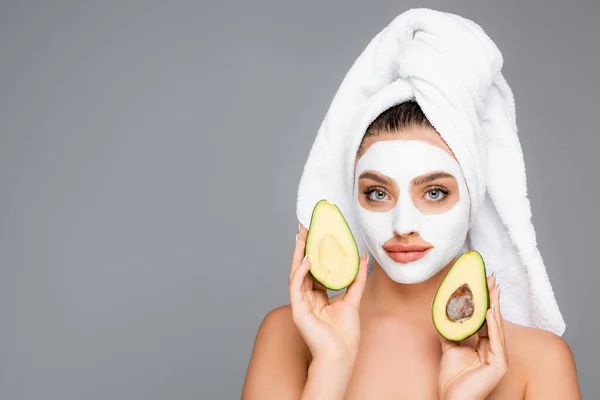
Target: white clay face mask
point(402, 161)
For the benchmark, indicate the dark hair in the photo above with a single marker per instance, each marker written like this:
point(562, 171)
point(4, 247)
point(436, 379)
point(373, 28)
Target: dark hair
point(401, 116)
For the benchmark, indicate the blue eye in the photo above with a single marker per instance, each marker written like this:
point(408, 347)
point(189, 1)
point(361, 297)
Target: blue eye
point(378, 195)
point(436, 194)
point(375, 194)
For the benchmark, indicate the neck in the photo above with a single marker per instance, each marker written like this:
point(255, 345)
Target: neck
point(413, 301)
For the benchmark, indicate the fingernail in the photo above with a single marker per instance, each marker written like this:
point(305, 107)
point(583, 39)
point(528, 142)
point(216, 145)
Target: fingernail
point(498, 288)
point(493, 313)
point(494, 274)
point(296, 237)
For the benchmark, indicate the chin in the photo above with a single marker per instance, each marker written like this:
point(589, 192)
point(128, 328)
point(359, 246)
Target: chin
point(407, 274)
point(411, 273)
point(408, 279)
point(420, 270)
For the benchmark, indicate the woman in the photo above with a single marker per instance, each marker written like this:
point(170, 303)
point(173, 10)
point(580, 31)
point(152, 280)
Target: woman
point(413, 207)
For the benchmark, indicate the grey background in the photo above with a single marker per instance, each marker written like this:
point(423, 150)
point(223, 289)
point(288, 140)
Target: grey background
point(149, 158)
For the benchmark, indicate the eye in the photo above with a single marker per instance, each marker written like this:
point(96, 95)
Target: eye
point(436, 194)
point(376, 194)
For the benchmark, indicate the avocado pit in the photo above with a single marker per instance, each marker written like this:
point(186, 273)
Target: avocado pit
point(460, 306)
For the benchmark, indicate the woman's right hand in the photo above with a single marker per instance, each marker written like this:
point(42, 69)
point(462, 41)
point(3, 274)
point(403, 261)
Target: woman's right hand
point(330, 329)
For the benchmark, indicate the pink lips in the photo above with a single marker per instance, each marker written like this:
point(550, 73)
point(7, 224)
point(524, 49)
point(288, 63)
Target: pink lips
point(405, 253)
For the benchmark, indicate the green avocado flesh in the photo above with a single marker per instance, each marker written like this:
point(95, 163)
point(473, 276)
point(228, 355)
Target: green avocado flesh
point(331, 247)
point(462, 300)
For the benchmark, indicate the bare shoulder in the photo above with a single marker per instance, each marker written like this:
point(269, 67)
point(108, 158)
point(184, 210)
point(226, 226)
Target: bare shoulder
point(533, 345)
point(279, 361)
point(545, 360)
point(279, 322)
point(278, 331)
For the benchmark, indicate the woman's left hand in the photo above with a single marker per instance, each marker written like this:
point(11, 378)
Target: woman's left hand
point(468, 373)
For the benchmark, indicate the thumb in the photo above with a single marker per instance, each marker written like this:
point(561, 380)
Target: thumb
point(447, 344)
point(354, 292)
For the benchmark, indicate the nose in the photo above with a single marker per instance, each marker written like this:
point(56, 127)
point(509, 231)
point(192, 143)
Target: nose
point(406, 217)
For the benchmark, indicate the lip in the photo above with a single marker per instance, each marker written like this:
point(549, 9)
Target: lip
point(406, 256)
point(396, 247)
point(405, 252)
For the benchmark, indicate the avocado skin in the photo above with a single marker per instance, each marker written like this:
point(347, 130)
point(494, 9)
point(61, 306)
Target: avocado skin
point(352, 277)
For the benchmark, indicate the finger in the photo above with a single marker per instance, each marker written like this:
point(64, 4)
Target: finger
point(354, 292)
point(298, 255)
point(491, 280)
point(495, 301)
point(296, 281)
point(491, 284)
point(319, 286)
point(498, 313)
point(308, 283)
point(497, 339)
point(500, 321)
point(303, 232)
point(483, 332)
point(483, 347)
point(496, 345)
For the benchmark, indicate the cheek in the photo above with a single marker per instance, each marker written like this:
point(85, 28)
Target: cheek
point(430, 207)
point(447, 230)
point(427, 206)
point(375, 224)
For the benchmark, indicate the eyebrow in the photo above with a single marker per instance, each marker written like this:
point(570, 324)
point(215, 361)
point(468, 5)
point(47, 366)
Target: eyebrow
point(375, 177)
point(420, 180)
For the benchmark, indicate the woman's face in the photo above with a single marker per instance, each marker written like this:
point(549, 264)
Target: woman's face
point(412, 202)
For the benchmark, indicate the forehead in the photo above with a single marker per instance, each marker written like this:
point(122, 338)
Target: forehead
point(404, 159)
point(422, 133)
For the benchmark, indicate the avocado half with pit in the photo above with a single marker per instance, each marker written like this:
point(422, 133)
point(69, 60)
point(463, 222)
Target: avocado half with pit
point(462, 299)
point(331, 247)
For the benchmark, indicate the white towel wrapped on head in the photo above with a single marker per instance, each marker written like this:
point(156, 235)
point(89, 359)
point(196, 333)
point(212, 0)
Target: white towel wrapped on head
point(453, 70)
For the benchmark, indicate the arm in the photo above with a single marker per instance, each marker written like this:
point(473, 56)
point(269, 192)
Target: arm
point(279, 367)
point(553, 374)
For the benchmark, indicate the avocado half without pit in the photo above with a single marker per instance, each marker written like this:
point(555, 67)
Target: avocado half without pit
point(462, 300)
point(331, 247)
